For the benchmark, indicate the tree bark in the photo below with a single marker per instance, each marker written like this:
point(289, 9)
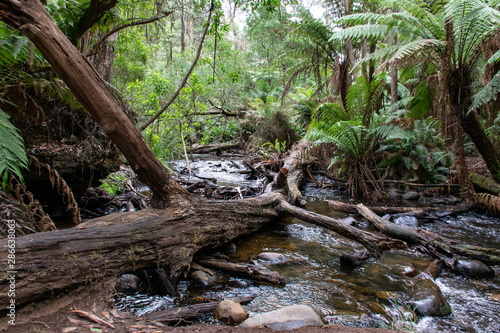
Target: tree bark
point(51, 262)
point(32, 20)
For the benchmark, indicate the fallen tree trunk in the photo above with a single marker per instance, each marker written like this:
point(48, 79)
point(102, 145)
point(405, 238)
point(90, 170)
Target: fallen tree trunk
point(214, 147)
point(485, 183)
point(374, 243)
point(51, 262)
point(353, 209)
point(435, 244)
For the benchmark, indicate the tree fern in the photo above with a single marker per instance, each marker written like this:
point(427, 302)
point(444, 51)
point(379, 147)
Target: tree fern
point(12, 154)
point(489, 93)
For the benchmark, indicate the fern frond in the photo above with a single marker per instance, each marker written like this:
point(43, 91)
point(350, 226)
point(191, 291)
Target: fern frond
point(12, 154)
point(360, 32)
point(490, 92)
point(494, 58)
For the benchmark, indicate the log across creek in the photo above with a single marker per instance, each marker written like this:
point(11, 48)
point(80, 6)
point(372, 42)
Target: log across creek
point(53, 262)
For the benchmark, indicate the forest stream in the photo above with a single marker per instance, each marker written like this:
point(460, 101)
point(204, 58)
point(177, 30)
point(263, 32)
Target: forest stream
point(365, 296)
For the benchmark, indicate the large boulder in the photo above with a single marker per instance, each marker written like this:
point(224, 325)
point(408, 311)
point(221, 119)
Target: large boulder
point(474, 269)
point(428, 300)
point(287, 318)
point(230, 312)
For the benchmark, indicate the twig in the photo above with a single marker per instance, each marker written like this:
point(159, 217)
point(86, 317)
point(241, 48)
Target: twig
point(92, 317)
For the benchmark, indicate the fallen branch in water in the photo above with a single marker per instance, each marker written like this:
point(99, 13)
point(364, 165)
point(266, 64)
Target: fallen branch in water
point(439, 246)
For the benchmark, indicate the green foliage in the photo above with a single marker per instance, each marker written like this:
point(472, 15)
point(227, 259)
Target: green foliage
point(114, 184)
point(419, 150)
point(12, 154)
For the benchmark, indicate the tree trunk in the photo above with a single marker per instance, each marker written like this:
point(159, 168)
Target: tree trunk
point(51, 262)
point(31, 19)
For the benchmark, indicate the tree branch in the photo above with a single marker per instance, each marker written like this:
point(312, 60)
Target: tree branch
point(188, 74)
point(127, 25)
point(93, 13)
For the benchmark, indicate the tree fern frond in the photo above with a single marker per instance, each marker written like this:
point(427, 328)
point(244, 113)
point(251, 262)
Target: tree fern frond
point(368, 31)
point(12, 154)
point(490, 92)
point(494, 58)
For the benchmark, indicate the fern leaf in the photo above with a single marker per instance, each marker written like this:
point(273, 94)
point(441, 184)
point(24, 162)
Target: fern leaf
point(489, 93)
point(12, 154)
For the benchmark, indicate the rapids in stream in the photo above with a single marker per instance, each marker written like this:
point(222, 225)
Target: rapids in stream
point(373, 295)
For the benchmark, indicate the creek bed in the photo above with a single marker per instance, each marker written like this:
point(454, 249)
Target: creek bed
point(349, 297)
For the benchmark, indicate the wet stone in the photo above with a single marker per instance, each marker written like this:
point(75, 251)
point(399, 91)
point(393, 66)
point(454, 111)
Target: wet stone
point(393, 193)
point(428, 300)
point(474, 269)
point(205, 278)
point(411, 195)
point(287, 318)
point(230, 312)
point(229, 248)
point(272, 257)
point(410, 221)
point(128, 283)
point(387, 294)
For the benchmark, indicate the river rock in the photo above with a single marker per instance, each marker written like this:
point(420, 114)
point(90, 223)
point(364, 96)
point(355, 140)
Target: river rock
point(474, 269)
point(411, 195)
point(272, 257)
point(428, 300)
point(128, 283)
point(287, 318)
point(410, 221)
point(434, 269)
point(229, 248)
point(230, 312)
point(393, 193)
point(205, 277)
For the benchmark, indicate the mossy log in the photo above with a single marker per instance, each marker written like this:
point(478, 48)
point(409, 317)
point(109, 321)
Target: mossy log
point(484, 183)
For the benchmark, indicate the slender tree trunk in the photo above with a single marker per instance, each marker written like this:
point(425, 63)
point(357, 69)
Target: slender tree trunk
point(183, 28)
point(394, 76)
point(190, 27)
point(32, 20)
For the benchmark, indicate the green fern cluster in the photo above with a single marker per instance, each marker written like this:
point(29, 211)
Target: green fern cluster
point(12, 154)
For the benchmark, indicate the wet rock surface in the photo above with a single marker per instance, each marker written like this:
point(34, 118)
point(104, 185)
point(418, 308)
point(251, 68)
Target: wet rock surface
point(428, 300)
point(230, 312)
point(474, 269)
point(287, 318)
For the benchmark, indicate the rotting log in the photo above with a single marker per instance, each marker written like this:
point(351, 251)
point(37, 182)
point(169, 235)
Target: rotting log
point(214, 147)
point(251, 271)
point(434, 243)
point(374, 243)
point(353, 209)
point(51, 262)
point(485, 183)
point(189, 312)
point(290, 176)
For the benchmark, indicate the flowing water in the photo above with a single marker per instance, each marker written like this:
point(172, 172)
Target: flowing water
point(373, 295)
